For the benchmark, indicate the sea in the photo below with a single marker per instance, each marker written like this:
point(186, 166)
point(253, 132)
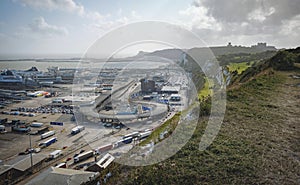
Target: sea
point(44, 65)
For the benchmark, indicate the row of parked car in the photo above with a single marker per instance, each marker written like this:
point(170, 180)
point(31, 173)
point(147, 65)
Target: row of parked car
point(17, 113)
point(48, 109)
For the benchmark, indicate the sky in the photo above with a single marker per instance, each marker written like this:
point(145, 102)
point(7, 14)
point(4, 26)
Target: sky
point(58, 27)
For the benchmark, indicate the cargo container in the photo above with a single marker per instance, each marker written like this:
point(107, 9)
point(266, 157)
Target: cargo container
point(143, 135)
point(55, 154)
point(77, 129)
point(47, 134)
point(48, 142)
point(83, 156)
point(133, 134)
point(103, 148)
point(36, 124)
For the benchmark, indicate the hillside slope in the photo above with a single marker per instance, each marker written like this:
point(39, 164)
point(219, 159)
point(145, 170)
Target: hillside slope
point(259, 142)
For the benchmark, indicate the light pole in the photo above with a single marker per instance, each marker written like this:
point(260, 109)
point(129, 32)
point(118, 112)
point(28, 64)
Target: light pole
point(30, 150)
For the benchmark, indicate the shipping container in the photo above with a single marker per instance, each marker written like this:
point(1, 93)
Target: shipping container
point(47, 134)
point(83, 156)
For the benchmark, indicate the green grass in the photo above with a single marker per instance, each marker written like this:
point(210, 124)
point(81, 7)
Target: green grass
point(249, 148)
point(206, 90)
point(239, 67)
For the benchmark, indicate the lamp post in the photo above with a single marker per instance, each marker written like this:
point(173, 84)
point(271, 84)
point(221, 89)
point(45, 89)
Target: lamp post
point(30, 150)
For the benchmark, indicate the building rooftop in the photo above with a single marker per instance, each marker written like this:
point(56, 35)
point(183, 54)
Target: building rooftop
point(25, 164)
point(62, 176)
point(105, 161)
point(175, 95)
point(4, 168)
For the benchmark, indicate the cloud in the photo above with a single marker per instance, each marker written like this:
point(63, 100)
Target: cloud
point(272, 11)
point(260, 14)
point(291, 27)
point(105, 23)
point(197, 18)
point(39, 25)
point(63, 5)
point(243, 21)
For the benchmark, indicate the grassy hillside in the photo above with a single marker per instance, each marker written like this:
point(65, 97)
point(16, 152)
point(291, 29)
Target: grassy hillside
point(239, 67)
point(259, 142)
point(206, 90)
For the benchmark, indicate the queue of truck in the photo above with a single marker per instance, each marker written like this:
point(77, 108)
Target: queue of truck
point(83, 156)
point(127, 139)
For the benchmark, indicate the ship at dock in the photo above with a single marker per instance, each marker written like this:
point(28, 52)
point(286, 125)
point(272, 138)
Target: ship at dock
point(33, 77)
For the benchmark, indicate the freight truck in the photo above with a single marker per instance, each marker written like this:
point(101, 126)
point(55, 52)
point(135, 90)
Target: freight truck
point(143, 135)
point(55, 154)
point(103, 148)
point(48, 142)
point(83, 156)
point(133, 135)
point(77, 129)
point(47, 134)
point(36, 124)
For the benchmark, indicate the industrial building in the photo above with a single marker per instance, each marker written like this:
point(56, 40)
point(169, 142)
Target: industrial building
point(101, 164)
point(12, 173)
point(147, 86)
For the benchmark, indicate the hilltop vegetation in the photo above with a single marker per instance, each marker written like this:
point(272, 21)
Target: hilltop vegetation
point(283, 60)
point(259, 142)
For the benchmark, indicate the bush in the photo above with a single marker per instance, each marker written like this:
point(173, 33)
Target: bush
point(283, 60)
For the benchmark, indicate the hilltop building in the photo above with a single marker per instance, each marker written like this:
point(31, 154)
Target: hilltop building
point(263, 46)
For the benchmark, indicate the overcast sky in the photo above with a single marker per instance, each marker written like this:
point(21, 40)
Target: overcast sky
point(71, 26)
